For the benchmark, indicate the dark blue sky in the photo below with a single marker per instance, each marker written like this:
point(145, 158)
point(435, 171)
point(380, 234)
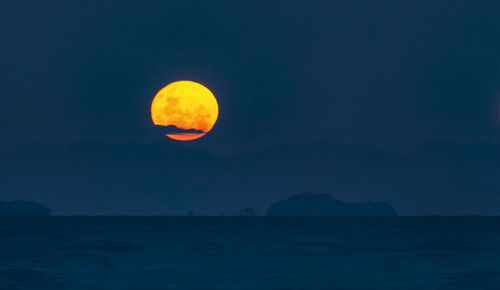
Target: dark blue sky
point(396, 73)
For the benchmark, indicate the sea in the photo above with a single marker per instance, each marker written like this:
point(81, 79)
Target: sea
point(250, 253)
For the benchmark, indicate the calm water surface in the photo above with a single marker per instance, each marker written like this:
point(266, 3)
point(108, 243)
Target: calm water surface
point(249, 253)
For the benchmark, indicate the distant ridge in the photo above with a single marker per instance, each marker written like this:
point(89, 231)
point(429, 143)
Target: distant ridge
point(23, 208)
point(98, 178)
point(322, 204)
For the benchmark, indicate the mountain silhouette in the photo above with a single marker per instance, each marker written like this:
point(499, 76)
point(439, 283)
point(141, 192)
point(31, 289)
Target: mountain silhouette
point(322, 204)
point(90, 177)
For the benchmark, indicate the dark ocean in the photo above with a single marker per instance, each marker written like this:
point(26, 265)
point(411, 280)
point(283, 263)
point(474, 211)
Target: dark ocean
point(250, 253)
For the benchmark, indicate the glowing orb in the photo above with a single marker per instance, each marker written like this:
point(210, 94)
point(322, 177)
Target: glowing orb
point(187, 110)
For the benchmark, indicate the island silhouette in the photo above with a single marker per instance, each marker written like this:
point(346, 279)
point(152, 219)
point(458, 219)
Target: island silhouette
point(322, 204)
point(23, 208)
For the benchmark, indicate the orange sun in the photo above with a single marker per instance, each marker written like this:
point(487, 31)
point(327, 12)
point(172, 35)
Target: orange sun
point(186, 109)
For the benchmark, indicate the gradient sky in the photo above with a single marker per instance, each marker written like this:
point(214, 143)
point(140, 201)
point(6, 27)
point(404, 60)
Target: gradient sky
point(392, 73)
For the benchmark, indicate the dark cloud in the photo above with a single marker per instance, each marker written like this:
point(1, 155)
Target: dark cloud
point(172, 129)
